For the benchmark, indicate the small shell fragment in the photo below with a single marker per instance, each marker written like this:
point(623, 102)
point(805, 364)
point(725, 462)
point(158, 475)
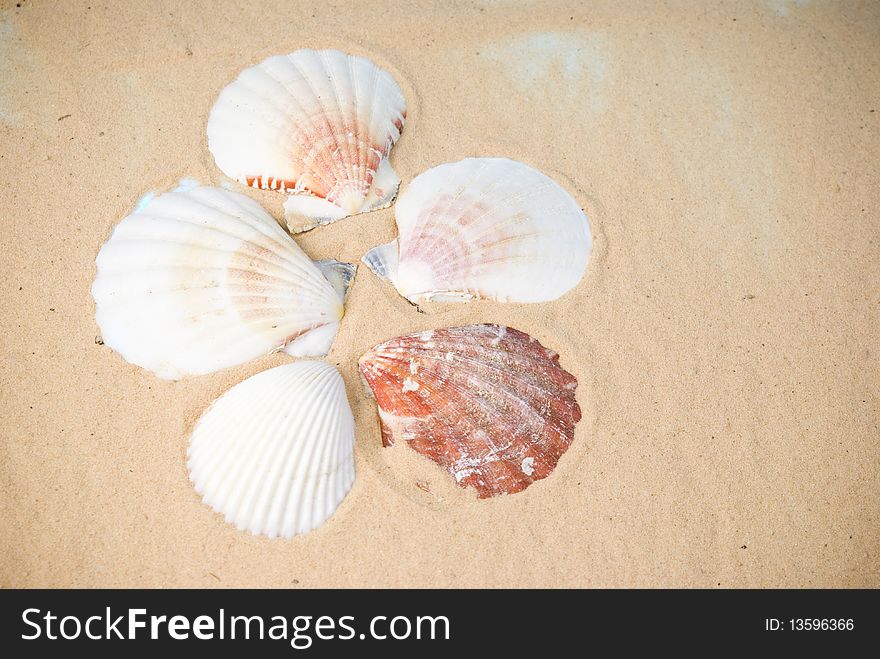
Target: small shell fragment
point(488, 403)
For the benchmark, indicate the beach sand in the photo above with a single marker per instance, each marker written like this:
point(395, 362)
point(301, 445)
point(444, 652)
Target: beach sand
point(726, 337)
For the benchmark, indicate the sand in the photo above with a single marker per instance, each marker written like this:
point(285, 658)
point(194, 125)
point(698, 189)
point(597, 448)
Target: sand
point(726, 336)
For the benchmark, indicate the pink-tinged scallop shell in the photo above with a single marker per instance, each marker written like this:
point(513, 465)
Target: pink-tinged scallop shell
point(489, 228)
point(318, 125)
point(488, 403)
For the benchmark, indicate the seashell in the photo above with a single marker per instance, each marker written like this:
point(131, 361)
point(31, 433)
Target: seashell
point(316, 124)
point(484, 228)
point(199, 279)
point(275, 454)
point(487, 403)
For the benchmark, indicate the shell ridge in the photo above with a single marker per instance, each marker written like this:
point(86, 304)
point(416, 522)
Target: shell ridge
point(274, 279)
point(343, 153)
point(197, 201)
point(305, 278)
point(426, 354)
point(304, 128)
point(299, 488)
point(277, 300)
point(445, 460)
point(463, 392)
point(340, 174)
point(351, 161)
point(502, 221)
point(191, 347)
point(359, 139)
point(254, 476)
point(492, 452)
point(318, 163)
point(291, 274)
point(205, 463)
point(434, 209)
point(326, 470)
point(145, 221)
point(453, 287)
point(401, 402)
point(222, 295)
point(276, 490)
point(142, 230)
point(396, 392)
point(388, 87)
point(274, 320)
point(241, 500)
point(259, 219)
point(228, 465)
point(300, 131)
point(318, 474)
point(241, 208)
point(371, 119)
point(343, 457)
point(477, 240)
point(452, 176)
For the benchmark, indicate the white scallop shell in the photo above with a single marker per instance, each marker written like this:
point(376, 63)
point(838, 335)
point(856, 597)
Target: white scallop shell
point(196, 280)
point(485, 228)
point(275, 454)
point(316, 124)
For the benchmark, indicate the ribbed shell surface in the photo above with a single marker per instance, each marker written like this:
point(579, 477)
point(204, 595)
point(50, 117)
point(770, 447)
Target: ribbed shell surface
point(202, 279)
point(274, 454)
point(487, 403)
point(314, 122)
point(485, 228)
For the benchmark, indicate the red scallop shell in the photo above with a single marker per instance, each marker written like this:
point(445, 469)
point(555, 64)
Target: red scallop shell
point(488, 403)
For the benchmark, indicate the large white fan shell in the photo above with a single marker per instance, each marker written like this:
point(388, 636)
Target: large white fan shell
point(317, 124)
point(275, 454)
point(485, 228)
point(201, 279)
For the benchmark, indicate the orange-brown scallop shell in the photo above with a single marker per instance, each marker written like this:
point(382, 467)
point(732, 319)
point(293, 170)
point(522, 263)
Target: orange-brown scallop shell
point(488, 403)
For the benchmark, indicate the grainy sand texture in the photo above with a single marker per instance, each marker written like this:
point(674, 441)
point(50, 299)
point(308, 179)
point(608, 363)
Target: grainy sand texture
point(726, 336)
